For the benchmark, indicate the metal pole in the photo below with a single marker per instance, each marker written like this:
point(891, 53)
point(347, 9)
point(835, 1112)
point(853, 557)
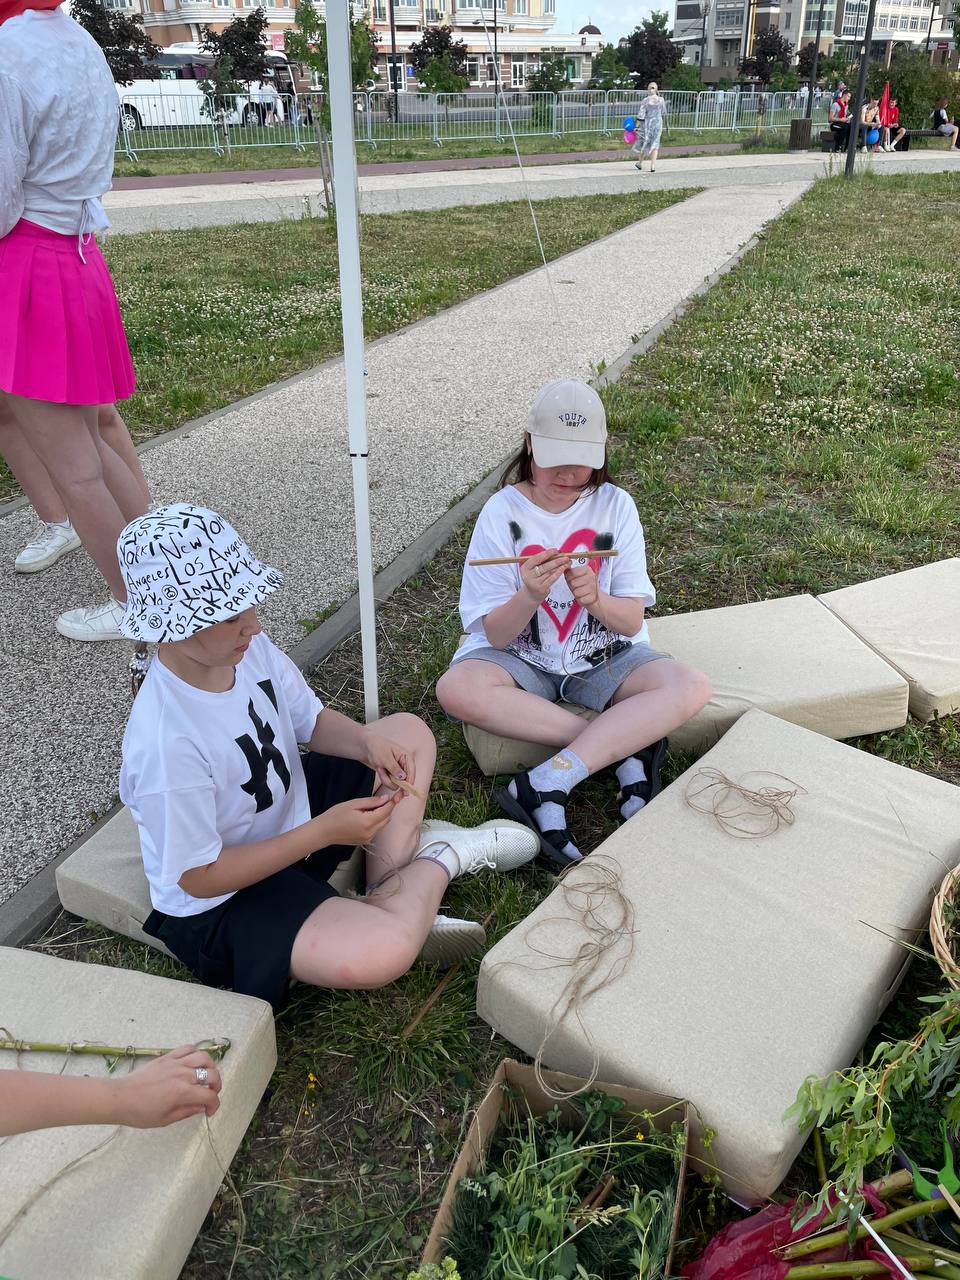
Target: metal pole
point(704, 10)
point(339, 72)
point(393, 68)
point(926, 43)
point(854, 137)
point(496, 51)
point(815, 62)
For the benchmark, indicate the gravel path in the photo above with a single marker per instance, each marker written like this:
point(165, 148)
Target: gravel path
point(447, 398)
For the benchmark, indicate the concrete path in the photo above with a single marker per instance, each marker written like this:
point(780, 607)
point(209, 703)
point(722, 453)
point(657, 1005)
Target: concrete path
point(220, 204)
point(447, 398)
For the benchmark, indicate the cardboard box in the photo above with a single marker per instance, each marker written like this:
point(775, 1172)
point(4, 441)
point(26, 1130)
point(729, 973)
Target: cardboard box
point(522, 1079)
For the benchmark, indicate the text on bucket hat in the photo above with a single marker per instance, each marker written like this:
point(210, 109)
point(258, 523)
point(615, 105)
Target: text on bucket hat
point(186, 568)
point(568, 425)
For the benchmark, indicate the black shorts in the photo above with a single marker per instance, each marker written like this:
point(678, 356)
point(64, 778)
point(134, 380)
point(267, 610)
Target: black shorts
point(245, 943)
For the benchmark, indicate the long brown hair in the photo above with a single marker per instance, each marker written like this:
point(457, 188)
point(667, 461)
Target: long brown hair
point(518, 470)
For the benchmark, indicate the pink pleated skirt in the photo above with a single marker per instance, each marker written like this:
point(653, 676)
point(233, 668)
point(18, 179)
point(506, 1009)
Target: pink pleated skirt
point(61, 334)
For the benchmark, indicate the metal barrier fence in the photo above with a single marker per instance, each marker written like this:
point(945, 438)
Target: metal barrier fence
point(192, 121)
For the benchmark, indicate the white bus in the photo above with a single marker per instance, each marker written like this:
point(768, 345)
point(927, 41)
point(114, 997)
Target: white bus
point(175, 98)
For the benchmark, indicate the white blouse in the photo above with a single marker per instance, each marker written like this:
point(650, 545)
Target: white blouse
point(59, 112)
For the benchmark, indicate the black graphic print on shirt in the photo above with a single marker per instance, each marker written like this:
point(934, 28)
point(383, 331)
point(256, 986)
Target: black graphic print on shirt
point(582, 636)
point(260, 759)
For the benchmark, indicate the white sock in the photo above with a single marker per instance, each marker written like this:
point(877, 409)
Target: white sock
point(439, 851)
point(57, 524)
point(627, 771)
point(561, 772)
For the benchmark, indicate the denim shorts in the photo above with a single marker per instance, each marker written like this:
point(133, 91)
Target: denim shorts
point(593, 688)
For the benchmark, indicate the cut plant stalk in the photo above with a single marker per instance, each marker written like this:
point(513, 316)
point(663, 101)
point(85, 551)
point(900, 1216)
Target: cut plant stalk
point(928, 1246)
point(816, 1244)
point(215, 1048)
point(816, 1270)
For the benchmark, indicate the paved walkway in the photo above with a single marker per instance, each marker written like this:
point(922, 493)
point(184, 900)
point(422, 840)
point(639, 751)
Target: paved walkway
point(443, 164)
point(221, 204)
point(278, 466)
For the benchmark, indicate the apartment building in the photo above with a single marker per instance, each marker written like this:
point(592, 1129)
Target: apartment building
point(518, 32)
point(917, 23)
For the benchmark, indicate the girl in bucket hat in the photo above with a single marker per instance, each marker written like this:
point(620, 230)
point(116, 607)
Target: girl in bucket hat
point(239, 833)
point(63, 352)
point(563, 627)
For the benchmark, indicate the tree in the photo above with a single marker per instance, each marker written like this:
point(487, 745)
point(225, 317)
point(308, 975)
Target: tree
point(128, 50)
point(684, 76)
point(836, 66)
point(244, 44)
point(609, 70)
point(307, 44)
point(650, 51)
point(771, 50)
point(550, 76)
point(915, 84)
point(805, 62)
point(440, 61)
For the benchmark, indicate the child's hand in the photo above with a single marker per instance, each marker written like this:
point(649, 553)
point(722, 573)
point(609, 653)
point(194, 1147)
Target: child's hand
point(356, 821)
point(541, 571)
point(390, 761)
point(167, 1090)
point(582, 582)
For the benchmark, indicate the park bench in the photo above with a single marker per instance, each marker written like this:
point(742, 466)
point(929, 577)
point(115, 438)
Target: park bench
point(826, 138)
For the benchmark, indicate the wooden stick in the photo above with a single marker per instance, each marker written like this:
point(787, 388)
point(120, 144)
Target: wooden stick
point(405, 786)
point(438, 990)
point(574, 555)
point(949, 1199)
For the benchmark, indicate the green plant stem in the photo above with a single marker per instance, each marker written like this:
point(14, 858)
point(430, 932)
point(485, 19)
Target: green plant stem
point(216, 1048)
point(817, 1269)
point(815, 1244)
point(938, 1250)
point(818, 1156)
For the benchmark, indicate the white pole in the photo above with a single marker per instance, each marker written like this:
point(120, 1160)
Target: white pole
point(339, 74)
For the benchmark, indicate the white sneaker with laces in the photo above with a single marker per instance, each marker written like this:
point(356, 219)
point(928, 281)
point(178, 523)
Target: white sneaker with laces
point(499, 844)
point(451, 940)
point(93, 622)
point(52, 542)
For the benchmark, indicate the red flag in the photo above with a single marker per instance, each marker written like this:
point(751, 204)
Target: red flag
point(885, 105)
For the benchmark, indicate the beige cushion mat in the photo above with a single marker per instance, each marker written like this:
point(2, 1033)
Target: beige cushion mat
point(133, 1209)
point(755, 962)
point(911, 619)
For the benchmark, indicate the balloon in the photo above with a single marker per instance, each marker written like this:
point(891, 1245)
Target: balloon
point(873, 137)
point(629, 137)
point(629, 124)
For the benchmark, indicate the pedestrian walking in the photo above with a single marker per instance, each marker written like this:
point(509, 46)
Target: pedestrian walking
point(63, 351)
point(652, 115)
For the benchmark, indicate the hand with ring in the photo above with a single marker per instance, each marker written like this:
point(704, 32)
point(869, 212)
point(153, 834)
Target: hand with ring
point(182, 1083)
point(540, 572)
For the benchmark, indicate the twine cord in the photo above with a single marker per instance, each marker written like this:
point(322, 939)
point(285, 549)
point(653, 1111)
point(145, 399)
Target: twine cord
point(747, 812)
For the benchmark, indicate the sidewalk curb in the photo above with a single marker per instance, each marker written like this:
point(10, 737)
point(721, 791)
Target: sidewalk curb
point(31, 909)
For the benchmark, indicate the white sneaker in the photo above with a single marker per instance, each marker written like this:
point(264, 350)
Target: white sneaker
point(451, 940)
point(93, 622)
point(499, 844)
point(52, 542)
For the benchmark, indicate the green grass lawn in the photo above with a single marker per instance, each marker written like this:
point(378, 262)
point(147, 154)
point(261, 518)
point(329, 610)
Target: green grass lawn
point(795, 431)
point(216, 313)
point(149, 162)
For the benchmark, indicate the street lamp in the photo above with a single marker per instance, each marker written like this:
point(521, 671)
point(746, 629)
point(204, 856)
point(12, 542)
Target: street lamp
point(704, 13)
point(926, 43)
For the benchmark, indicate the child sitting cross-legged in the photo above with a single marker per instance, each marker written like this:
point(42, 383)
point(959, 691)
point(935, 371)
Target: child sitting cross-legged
point(565, 626)
point(239, 833)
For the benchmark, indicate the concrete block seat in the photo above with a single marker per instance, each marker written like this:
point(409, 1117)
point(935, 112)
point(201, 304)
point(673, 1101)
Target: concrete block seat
point(132, 1210)
point(754, 962)
point(104, 880)
point(912, 619)
point(788, 656)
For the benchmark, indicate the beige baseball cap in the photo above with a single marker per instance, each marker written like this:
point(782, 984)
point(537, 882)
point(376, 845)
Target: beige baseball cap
point(568, 425)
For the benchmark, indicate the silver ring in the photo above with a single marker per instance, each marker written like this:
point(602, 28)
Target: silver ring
point(202, 1074)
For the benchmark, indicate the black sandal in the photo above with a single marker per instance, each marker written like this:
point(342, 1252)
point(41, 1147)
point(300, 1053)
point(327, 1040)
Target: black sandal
point(652, 759)
point(521, 807)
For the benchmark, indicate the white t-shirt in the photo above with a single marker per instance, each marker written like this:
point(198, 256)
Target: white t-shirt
point(561, 636)
point(59, 112)
point(203, 771)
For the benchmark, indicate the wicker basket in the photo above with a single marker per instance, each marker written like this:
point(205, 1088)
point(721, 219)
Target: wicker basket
point(946, 898)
